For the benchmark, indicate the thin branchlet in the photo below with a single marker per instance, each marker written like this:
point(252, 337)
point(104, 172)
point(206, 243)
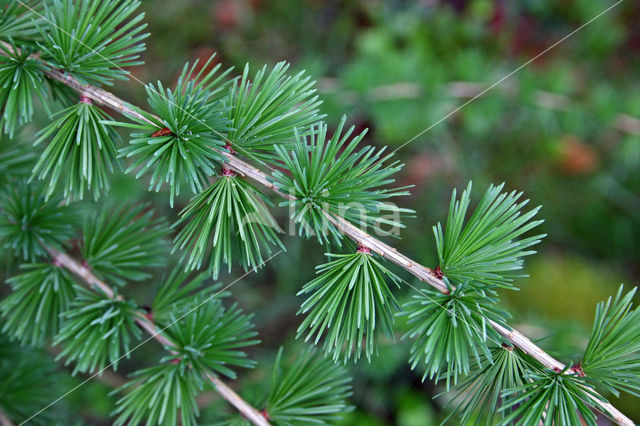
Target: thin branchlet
point(157, 333)
point(465, 267)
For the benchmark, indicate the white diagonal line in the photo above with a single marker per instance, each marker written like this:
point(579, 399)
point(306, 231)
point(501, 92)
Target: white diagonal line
point(454, 111)
point(500, 81)
point(490, 337)
point(137, 79)
point(146, 340)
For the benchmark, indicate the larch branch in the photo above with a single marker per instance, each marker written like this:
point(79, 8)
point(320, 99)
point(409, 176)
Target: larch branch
point(423, 273)
point(77, 268)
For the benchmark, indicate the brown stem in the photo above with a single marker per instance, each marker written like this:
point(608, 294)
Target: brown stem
point(360, 237)
point(241, 405)
point(4, 420)
point(114, 381)
point(66, 261)
point(363, 239)
point(426, 274)
point(62, 259)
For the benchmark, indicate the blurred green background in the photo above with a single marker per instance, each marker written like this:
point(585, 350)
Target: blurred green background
point(564, 129)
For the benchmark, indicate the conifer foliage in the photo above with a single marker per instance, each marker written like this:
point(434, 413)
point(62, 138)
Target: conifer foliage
point(265, 110)
point(310, 389)
point(22, 82)
point(485, 252)
point(349, 300)
point(92, 40)
point(228, 218)
point(330, 175)
point(87, 147)
point(78, 262)
point(451, 331)
point(30, 223)
point(177, 143)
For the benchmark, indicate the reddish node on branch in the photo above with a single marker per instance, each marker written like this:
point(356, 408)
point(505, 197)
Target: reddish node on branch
point(228, 172)
point(507, 347)
point(229, 148)
point(148, 312)
point(162, 132)
point(85, 100)
point(363, 249)
point(176, 360)
point(265, 414)
point(557, 370)
point(577, 369)
point(437, 272)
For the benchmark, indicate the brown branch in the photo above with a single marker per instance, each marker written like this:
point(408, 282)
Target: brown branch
point(4, 420)
point(62, 259)
point(247, 410)
point(114, 381)
point(108, 99)
point(66, 261)
point(360, 237)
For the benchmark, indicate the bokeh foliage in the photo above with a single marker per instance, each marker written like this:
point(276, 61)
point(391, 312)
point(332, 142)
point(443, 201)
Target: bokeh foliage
point(553, 132)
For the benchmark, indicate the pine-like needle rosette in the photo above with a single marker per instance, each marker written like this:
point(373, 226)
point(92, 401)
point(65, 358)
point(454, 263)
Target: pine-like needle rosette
point(348, 304)
point(330, 175)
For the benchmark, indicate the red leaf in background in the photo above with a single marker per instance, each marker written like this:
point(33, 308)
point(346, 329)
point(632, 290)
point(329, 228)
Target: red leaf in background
point(498, 17)
point(421, 167)
point(576, 157)
point(203, 54)
point(227, 14)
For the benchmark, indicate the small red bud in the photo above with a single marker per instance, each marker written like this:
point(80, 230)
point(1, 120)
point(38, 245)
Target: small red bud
point(148, 312)
point(362, 249)
point(437, 272)
point(577, 369)
point(228, 173)
point(229, 148)
point(265, 414)
point(162, 132)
